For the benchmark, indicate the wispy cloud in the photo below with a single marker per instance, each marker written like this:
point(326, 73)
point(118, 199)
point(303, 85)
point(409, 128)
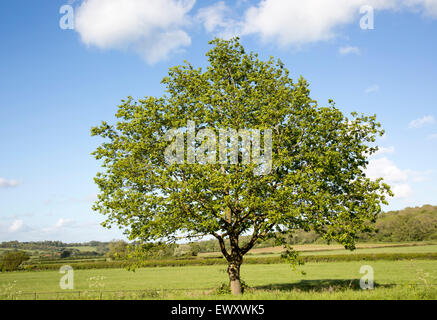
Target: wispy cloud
point(420, 176)
point(385, 150)
point(62, 223)
point(213, 17)
point(372, 89)
point(16, 226)
point(61, 199)
point(421, 122)
point(65, 229)
point(349, 50)
point(8, 183)
point(433, 136)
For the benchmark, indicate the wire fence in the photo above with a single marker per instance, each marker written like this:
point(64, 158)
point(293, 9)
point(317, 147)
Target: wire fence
point(100, 294)
point(143, 293)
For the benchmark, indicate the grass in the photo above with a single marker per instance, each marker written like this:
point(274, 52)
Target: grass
point(394, 280)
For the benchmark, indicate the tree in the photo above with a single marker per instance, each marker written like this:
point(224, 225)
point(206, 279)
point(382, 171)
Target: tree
point(118, 249)
point(184, 250)
point(12, 260)
point(65, 254)
point(317, 179)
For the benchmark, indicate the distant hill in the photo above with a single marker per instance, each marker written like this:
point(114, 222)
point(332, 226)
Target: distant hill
point(409, 224)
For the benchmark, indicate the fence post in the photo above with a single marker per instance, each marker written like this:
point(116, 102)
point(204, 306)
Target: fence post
point(35, 295)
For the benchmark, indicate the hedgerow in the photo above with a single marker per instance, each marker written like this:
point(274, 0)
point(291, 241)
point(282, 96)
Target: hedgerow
point(217, 261)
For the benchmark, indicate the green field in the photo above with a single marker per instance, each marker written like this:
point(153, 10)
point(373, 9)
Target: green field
point(388, 249)
point(334, 280)
point(403, 279)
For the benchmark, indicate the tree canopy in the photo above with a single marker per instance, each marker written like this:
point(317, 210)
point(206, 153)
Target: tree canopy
point(11, 260)
point(317, 179)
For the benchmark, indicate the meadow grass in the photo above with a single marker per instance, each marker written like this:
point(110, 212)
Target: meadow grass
point(416, 279)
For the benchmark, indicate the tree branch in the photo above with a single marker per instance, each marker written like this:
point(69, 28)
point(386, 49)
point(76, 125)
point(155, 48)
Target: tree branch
point(222, 245)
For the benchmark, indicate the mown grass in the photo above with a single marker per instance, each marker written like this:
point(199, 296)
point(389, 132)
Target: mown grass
point(335, 280)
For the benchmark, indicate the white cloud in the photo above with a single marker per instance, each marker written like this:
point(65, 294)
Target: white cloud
point(213, 17)
point(156, 28)
point(433, 136)
point(427, 7)
point(401, 191)
point(392, 175)
point(419, 123)
point(16, 226)
point(299, 22)
point(383, 150)
point(419, 176)
point(385, 168)
point(371, 89)
point(398, 179)
point(62, 223)
point(152, 28)
point(349, 50)
point(63, 199)
point(218, 19)
point(8, 183)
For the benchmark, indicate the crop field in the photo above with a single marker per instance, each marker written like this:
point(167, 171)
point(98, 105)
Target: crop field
point(334, 280)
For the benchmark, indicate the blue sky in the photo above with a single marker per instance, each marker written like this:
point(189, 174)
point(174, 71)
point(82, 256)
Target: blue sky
point(56, 84)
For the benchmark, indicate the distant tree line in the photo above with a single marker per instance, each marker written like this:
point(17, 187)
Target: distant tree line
point(46, 245)
point(410, 224)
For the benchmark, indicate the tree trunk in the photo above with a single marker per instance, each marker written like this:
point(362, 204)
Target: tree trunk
point(234, 277)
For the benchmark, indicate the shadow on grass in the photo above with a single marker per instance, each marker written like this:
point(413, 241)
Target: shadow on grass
point(320, 285)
